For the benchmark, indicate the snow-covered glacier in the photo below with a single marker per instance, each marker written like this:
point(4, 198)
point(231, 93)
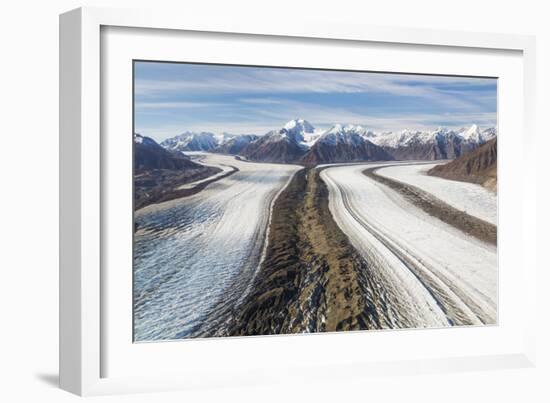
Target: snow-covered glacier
point(433, 274)
point(468, 197)
point(194, 257)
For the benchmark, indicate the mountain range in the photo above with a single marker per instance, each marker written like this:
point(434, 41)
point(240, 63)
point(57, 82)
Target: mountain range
point(432, 145)
point(148, 154)
point(284, 145)
point(344, 144)
point(190, 141)
point(299, 142)
point(236, 144)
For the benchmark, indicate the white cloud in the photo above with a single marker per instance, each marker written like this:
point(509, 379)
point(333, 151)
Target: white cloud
point(272, 81)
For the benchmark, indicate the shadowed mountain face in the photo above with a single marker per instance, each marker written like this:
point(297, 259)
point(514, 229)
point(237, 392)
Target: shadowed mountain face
point(236, 144)
point(275, 146)
point(343, 144)
point(478, 166)
point(285, 145)
point(299, 142)
point(438, 144)
point(190, 141)
point(158, 172)
point(148, 154)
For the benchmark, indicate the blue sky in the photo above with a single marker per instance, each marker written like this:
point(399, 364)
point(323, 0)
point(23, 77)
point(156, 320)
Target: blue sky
point(171, 98)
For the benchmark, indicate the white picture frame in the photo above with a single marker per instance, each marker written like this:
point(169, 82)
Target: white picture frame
point(82, 174)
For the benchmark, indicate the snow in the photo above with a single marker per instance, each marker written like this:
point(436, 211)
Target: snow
point(355, 129)
point(197, 254)
point(406, 137)
point(147, 141)
point(202, 141)
point(475, 135)
point(423, 263)
point(202, 159)
point(311, 138)
point(295, 130)
point(468, 197)
point(339, 134)
point(471, 134)
point(489, 134)
point(224, 137)
point(402, 138)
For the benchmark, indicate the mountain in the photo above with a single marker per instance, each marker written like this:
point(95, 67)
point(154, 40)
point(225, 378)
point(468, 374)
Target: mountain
point(478, 166)
point(191, 141)
point(432, 145)
point(236, 144)
point(159, 172)
point(274, 147)
point(285, 145)
point(344, 144)
point(474, 134)
point(224, 138)
point(297, 129)
point(298, 140)
point(473, 137)
point(311, 138)
point(148, 154)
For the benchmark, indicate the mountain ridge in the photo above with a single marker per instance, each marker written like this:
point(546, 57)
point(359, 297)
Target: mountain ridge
point(296, 142)
point(344, 144)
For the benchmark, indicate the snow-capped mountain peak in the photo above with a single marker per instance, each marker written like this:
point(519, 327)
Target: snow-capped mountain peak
point(299, 125)
point(224, 137)
point(337, 128)
point(139, 139)
point(340, 134)
point(296, 131)
point(442, 143)
point(471, 134)
point(360, 130)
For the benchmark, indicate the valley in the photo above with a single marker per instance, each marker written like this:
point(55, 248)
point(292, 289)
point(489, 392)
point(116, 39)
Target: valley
point(298, 141)
point(193, 253)
point(307, 230)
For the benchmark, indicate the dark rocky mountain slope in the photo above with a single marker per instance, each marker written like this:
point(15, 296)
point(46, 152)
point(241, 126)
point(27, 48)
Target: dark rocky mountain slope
point(236, 144)
point(478, 166)
point(343, 144)
point(274, 147)
point(148, 154)
point(158, 172)
point(285, 145)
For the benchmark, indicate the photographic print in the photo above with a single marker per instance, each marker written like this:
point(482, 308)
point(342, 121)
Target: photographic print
point(275, 200)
